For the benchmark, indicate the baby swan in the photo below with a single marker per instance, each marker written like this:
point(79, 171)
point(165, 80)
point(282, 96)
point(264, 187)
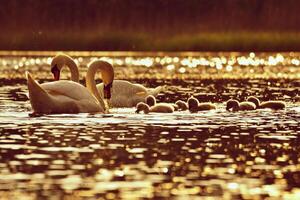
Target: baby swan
point(275, 105)
point(234, 105)
point(151, 101)
point(158, 108)
point(182, 105)
point(195, 106)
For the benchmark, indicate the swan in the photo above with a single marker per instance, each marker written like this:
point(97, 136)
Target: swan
point(182, 105)
point(235, 105)
point(275, 105)
point(158, 108)
point(195, 106)
point(61, 60)
point(124, 93)
point(71, 97)
point(151, 101)
point(127, 94)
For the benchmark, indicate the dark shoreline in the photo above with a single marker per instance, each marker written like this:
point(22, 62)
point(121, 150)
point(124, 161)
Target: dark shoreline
point(203, 42)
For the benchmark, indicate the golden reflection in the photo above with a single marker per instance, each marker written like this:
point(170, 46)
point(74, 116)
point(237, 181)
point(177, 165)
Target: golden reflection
point(223, 155)
point(170, 67)
point(182, 70)
point(233, 186)
point(224, 63)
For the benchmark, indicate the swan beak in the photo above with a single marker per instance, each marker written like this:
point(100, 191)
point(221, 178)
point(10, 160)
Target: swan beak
point(56, 72)
point(141, 93)
point(107, 91)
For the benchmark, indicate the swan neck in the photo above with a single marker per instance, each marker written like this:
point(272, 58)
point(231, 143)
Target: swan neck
point(73, 69)
point(91, 83)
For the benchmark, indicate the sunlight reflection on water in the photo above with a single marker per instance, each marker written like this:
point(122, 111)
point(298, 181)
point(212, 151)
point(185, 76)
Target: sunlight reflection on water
point(215, 154)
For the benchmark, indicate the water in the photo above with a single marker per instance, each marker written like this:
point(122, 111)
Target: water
point(213, 155)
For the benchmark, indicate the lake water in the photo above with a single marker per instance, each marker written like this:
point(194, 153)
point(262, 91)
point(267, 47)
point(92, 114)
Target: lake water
point(206, 155)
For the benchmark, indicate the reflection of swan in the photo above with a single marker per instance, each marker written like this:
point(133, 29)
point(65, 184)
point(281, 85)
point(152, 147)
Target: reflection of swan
point(235, 105)
point(158, 108)
point(276, 105)
point(69, 96)
point(61, 60)
point(126, 94)
point(195, 106)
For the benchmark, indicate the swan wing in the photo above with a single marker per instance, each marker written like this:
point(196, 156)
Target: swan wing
point(69, 89)
point(121, 87)
point(156, 91)
point(71, 97)
point(127, 94)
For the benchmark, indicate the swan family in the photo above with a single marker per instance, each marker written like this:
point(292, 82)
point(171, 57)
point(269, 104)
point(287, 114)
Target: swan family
point(194, 106)
point(69, 96)
point(123, 93)
point(63, 96)
point(253, 103)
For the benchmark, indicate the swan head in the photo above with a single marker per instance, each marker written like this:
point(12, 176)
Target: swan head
point(193, 104)
point(107, 78)
point(232, 105)
point(254, 100)
point(61, 60)
point(181, 105)
point(55, 71)
point(150, 100)
point(107, 91)
point(107, 73)
point(142, 107)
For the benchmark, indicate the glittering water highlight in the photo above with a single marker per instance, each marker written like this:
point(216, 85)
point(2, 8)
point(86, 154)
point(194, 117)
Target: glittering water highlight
point(213, 154)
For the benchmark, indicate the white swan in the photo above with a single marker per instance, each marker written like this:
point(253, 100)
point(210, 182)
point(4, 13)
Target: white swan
point(124, 93)
point(127, 94)
point(157, 108)
point(71, 97)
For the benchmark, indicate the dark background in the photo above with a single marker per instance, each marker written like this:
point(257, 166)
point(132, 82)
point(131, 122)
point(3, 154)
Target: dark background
point(150, 25)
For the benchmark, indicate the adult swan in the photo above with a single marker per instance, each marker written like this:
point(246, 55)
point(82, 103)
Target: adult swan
point(124, 93)
point(70, 97)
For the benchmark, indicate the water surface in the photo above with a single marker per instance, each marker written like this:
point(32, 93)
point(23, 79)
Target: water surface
point(213, 154)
